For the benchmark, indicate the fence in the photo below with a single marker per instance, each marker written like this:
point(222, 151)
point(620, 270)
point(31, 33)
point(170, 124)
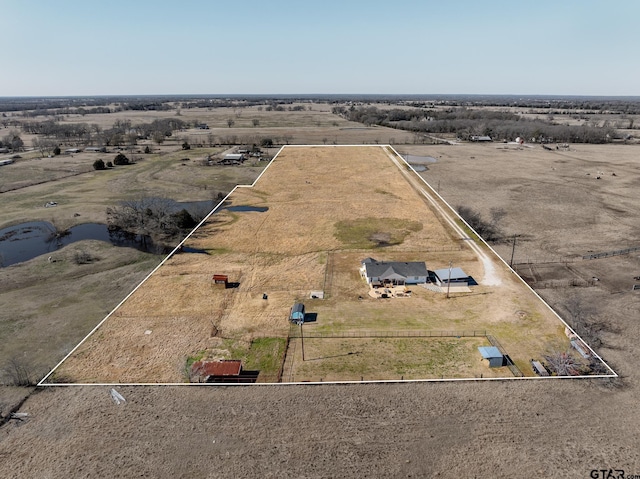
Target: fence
point(611, 253)
point(328, 275)
point(512, 367)
point(295, 333)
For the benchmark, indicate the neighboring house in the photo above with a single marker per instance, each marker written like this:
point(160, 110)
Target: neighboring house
point(458, 277)
point(481, 138)
point(96, 149)
point(233, 159)
point(378, 273)
point(71, 151)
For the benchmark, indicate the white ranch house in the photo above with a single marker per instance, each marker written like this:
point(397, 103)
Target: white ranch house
point(379, 273)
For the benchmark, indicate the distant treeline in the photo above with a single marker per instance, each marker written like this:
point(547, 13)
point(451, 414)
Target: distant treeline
point(466, 123)
point(123, 131)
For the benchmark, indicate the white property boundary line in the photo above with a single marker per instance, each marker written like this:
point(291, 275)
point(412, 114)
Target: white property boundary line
point(215, 209)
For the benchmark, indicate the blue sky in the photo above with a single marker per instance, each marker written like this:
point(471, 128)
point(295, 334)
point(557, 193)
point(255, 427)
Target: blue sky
point(544, 47)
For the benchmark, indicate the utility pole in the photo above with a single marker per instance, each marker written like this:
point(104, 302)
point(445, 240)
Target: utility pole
point(449, 280)
point(513, 250)
point(302, 338)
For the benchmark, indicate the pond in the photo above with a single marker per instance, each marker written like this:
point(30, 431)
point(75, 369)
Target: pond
point(27, 240)
point(260, 209)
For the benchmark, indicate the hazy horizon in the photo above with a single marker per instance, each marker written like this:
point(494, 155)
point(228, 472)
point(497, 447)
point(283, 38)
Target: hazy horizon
point(250, 47)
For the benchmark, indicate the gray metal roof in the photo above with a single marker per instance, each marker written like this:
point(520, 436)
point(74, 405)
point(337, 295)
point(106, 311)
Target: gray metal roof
point(381, 269)
point(456, 273)
point(489, 352)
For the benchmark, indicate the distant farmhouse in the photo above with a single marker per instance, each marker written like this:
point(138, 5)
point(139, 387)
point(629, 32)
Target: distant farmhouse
point(96, 149)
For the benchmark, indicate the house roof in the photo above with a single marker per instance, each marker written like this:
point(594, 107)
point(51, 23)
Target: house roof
point(456, 273)
point(382, 269)
point(489, 352)
point(222, 367)
point(368, 260)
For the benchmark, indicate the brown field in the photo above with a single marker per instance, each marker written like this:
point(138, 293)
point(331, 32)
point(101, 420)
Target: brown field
point(293, 249)
point(500, 429)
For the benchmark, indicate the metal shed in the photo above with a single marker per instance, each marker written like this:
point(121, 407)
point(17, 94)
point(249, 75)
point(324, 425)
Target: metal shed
point(493, 355)
point(297, 313)
point(458, 276)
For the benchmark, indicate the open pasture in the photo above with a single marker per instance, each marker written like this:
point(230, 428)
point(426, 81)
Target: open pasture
point(316, 198)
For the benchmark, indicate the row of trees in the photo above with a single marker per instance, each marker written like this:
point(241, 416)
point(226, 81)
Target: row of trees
point(465, 122)
point(155, 218)
point(123, 132)
point(12, 141)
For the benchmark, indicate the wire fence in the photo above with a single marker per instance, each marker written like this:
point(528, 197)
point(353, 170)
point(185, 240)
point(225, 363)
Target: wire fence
point(295, 333)
point(510, 364)
point(611, 253)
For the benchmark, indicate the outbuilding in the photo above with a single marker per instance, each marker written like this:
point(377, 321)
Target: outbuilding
point(216, 371)
point(457, 277)
point(296, 314)
point(492, 355)
point(221, 280)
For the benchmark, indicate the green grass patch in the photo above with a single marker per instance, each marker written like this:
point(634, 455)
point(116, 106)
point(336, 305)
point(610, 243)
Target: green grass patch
point(365, 233)
point(265, 355)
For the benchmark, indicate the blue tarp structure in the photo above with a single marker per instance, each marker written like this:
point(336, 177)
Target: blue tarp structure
point(297, 313)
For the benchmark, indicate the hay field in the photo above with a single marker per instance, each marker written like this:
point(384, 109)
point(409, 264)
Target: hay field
point(284, 252)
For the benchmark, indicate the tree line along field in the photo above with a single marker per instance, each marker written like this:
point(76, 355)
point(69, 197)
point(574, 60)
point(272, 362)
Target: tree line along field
point(283, 252)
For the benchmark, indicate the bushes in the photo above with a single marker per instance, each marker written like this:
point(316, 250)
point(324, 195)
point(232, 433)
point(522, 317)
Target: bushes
point(99, 165)
point(489, 230)
point(121, 159)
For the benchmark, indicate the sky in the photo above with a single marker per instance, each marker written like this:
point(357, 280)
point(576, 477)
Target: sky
point(217, 47)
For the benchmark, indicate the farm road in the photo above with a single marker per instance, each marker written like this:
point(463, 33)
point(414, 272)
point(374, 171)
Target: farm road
point(491, 277)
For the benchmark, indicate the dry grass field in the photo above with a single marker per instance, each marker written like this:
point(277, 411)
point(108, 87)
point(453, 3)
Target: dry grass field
point(502, 429)
point(312, 237)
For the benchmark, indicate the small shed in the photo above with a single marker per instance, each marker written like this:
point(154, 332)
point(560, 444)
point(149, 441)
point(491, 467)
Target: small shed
point(220, 280)
point(215, 371)
point(492, 355)
point(297, 313)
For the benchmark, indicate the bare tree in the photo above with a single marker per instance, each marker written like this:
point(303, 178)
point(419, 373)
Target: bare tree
point(44, 146)
point(230, 122)
point(19, 372)
point(255, 122)
point(564, 364)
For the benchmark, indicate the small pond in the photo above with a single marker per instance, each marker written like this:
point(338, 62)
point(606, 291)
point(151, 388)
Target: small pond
point(27, 240)
point(260, 209)
point(419, 160)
